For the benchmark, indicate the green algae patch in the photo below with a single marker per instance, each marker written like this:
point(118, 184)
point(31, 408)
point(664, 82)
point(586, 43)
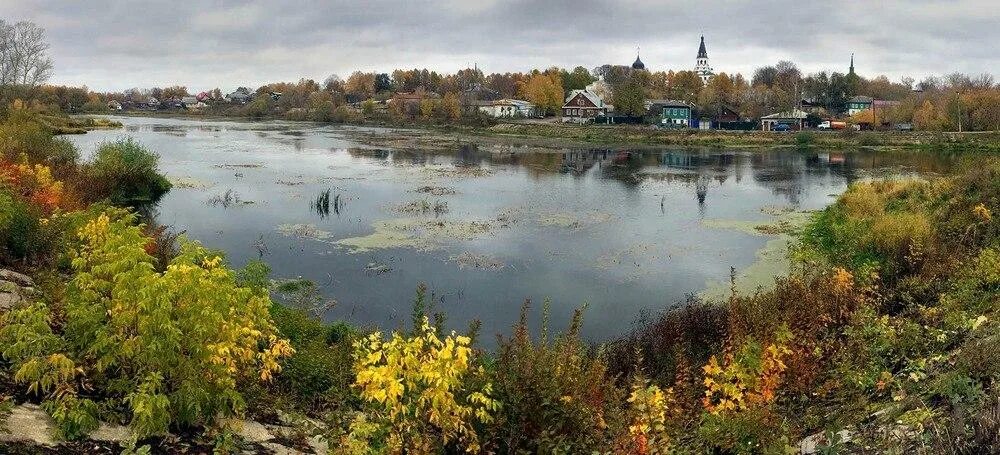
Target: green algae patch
point(470, 260)
point(189, 182)
point(772, 260)
point(419, 234)
point(783, 223)
point(304, 231)
point(574, 220)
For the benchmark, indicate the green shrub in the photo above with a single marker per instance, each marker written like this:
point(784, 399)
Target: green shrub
point(869, 140)
point(22, 134)
point(344, 114)
point(126, 173)
point(260, 107)
point(20, 231)
point(805, 138)
point(557, 396)
point(318, 376)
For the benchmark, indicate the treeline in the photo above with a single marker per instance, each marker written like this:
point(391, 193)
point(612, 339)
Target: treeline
point(936, 103)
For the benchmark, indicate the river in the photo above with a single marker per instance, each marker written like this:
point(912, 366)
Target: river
point(625, 232)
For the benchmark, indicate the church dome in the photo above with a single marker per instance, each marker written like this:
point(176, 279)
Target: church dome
point(638, 65)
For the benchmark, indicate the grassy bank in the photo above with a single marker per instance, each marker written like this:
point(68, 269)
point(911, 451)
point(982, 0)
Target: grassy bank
point(882, 338)
point(632, 135)
point(625, 134)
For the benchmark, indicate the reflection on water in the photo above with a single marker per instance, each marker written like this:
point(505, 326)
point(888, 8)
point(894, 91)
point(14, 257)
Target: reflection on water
point(485, 227)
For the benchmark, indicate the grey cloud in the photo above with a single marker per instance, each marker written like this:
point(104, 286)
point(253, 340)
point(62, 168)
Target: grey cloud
point(119, 44)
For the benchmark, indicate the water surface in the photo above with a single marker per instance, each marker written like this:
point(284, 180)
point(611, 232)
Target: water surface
point(622, 231)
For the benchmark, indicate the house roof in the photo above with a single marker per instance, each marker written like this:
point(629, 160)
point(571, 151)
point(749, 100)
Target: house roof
point(861, 99)
point(410, 96)
point(793, 114)
point(702, 53)
point(511, 102)
point(667, 103)
point(590, 96)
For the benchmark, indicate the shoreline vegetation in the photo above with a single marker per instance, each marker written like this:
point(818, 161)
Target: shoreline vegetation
point(563, 134)
point(882, 336)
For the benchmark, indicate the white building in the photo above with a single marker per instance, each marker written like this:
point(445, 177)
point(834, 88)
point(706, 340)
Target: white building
point(507, 108)
point(582, 106)
point(701, 68)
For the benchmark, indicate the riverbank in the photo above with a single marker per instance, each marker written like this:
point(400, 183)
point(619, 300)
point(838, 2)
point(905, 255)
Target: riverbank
point(882, 338)
point(555, 134)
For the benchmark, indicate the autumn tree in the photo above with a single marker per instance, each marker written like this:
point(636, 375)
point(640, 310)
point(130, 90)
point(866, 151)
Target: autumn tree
point(24, 58)
point(383, 83)
point(361, 84)
point(983, 109)
point(684, 86)
point(333, 83)
point(368, 108)
point(176, 91)
point(469, 77)
point(719, 92)
point(506, 84)
point(451, 108)
point(579, 79)
point(828, 90)
point(629, 95)
point(426, 108)
point(927, 117)
point(320, 106)
point(613, 74)
point(544, 91)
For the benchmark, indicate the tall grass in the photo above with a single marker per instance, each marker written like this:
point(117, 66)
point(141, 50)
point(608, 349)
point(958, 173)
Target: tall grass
point(127, 173)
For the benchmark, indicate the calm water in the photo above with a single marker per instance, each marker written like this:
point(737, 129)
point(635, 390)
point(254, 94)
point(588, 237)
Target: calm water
point(620, 233)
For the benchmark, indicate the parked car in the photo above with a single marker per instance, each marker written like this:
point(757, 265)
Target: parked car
point(782, 127)
point(904, 127)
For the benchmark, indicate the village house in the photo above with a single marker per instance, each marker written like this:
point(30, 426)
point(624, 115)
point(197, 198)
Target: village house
point(810, 106)
point(859, 104)
point(241, 95)
point(789, 120)
point(189, 101)
point(582, 106)
point(477, 97)
point(507, 108)
point(114, 105)
point(142, 103)
point(672, 113)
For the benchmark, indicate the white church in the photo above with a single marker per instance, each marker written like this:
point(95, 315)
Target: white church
point(702, 69)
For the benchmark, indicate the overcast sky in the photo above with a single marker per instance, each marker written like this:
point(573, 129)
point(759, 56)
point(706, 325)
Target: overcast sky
point(115, 45)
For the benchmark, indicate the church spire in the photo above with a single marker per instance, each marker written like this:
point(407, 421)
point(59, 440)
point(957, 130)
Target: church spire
point(852, 64)
point(701, 68)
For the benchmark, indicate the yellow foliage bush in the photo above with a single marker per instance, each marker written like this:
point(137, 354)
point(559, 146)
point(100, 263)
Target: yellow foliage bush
point(650, 409)
point(173, 346)
point(33, 183)
point(422, 394)
point(745, 380)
